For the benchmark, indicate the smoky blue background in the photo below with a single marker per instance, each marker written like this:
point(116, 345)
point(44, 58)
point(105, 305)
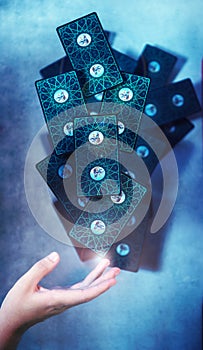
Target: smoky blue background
point(160, 306)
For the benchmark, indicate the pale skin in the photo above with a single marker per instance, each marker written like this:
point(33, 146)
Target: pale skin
point(28, 303)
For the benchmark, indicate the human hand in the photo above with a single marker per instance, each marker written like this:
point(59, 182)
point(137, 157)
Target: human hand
point(28, 302)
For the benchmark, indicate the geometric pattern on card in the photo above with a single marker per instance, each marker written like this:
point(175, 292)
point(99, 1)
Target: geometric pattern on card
point(61, 100)
point(59, 174)
point(90, 54)
point(64, 65)
point(96, 154)
point(99, 230)
point(127, 102)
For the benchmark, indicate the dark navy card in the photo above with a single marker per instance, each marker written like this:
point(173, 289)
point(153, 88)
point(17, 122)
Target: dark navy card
point(155, 64)
point(59, 174)
point(172, 102)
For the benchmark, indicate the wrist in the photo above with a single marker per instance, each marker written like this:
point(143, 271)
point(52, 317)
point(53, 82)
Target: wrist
point(10, 334)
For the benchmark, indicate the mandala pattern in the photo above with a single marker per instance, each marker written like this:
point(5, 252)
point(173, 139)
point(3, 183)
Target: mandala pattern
point(95, 52)
point(57, 114)
point(113, 219)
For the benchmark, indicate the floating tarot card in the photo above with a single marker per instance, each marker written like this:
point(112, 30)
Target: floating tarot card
point(126, 253)
point(59, 173)
point(172, 102)
point(61, 100)
point(90, 54)
point(127, 102)
point(174, 132)
point(96, 144)
point(155, 64)
point(64, 65)
point(98, 230)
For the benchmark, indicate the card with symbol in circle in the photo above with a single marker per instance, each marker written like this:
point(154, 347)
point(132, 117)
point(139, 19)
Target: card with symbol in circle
point(156, 64)
point(90, 54)
point(172, 102)
point(127, 102)
point(61, 100)
point(96, 153)
point(99, 229)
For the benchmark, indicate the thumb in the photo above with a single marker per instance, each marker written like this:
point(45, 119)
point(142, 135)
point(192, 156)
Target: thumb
point(40, 269)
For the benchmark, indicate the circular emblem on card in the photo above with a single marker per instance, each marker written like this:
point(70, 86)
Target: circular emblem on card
point(96, 137)
point(98, 227)
point(68, 129)
point(123, 249)
point(178, 100)
point(65, 171)
point(150, 110)
point(154, 67)
point(97, 70)
point(118, 199)
point(61, 96)
point(84, 39)
point(142, 151)
point(125, 94)
point(121, 127)
point(97, 173)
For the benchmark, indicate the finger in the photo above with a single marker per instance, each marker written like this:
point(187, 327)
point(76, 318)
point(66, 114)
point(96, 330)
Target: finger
point(112, 273)
point(97, 272)
point(40, 269)
point(74, 297)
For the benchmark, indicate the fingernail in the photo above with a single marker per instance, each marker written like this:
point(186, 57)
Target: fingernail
point(106, 262)
point(53, 256)
point(117, 271)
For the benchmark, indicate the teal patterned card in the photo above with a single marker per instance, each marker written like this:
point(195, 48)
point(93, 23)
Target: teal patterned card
point(61, 100)
point(127, 101)
point(90, 54)
point(99, 229)
point(96, 152)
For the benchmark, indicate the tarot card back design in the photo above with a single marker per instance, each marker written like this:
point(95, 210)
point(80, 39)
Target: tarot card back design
point(98, 230)
point(96, 152)
point(127, 102)
point(62, 100)
point(90, 54)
